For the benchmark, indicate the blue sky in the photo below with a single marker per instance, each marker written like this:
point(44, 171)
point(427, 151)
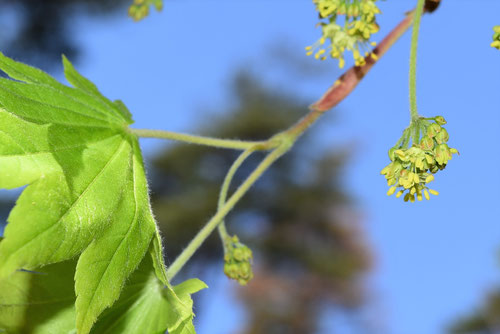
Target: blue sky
point(434, 260)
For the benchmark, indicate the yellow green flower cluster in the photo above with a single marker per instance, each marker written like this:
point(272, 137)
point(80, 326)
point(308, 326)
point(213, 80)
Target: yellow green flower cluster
point(496, 38)
point(411, 169)
point(354, 35)
point(140, 8)
point(238, 261)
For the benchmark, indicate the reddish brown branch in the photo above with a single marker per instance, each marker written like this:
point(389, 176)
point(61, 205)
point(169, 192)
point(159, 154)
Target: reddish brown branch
point(350, 79)
point(346, 83)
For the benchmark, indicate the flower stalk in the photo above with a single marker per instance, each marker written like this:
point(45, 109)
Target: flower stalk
point(413, 60)
point(282, 142)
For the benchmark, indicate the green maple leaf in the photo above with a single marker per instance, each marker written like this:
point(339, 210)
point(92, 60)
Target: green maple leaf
point(87, 193)
point(39, 302)
point(43, 303)
point(146, 306)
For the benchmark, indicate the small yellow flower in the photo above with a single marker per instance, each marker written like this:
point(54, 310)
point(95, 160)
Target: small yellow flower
point(440, 120)
point(442, 137)
point(419, 196)
point(426, 143)
point(401, 154)
point(433, 130)
point(434, 192)
point(412, 198)
point(140, 8)
point(426, 194)
point(353, 34)
point(391, 191)
point(496, 38)
point(443, 154)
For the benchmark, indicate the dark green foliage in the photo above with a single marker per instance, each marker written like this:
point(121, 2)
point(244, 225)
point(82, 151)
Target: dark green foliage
point(486, 320)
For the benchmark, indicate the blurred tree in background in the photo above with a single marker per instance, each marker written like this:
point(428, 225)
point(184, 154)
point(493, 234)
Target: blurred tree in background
point(308, 247)
point(38, 32)
point(5, 206)
point(486, 320)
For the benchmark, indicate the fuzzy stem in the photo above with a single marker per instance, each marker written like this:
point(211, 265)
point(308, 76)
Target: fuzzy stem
point(333, 96)
point(225, 187)
point(219, 216)
point(201, 140)
point(413, 60)
point(346, 83)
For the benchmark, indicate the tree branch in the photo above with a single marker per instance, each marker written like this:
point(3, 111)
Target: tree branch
point(346, 83)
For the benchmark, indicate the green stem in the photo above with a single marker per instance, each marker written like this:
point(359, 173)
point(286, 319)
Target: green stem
point(201, 140)
point(219, 216)
point(406, 140)
point(282, 142)
point(413, 60)
point(225, 188)
point(400, 142)
point(416, 132)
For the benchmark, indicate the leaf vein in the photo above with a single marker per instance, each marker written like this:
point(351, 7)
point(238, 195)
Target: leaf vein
point(132, 223)
point(52, 106)
point(75, 202)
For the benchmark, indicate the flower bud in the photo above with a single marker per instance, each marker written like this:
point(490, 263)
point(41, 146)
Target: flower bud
point(391, 191)
point(401, 155)
point(392, 154)
point(419, 196)
point(434, 192)
point(433, 130)
point(440, 120)
point(412, 198)
point(496, 38)
point(426, 194)
point(158, 4)
point(237, 261)
point(442, 154)
point(442, 137)
point(426, 143)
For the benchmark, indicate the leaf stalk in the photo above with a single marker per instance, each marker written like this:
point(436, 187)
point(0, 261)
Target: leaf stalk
point(202, 140)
